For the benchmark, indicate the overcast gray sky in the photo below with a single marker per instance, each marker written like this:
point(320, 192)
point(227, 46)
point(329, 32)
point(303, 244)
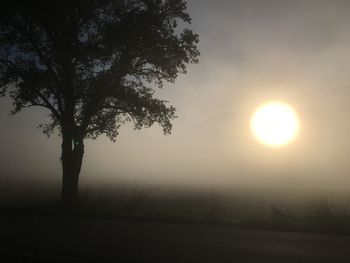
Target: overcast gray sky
point(251, 52)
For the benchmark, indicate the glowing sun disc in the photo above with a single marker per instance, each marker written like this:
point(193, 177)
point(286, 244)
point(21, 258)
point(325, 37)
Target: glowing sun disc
point(275, 124)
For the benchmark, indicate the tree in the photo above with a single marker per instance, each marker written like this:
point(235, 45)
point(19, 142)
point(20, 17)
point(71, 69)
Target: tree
point(94, 65)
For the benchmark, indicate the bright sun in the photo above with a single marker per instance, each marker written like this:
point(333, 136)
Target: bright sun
point(275, 124)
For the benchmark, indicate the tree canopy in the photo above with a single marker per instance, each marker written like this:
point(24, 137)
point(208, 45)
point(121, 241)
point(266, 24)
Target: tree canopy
point(94, 64)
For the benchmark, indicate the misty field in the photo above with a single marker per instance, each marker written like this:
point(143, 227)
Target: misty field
point(136, 222)
point(267, 209)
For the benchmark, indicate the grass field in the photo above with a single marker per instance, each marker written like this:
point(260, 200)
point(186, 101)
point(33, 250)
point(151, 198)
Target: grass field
point(320, 212)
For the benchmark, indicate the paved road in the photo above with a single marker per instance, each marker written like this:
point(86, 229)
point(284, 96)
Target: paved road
point(80, 240)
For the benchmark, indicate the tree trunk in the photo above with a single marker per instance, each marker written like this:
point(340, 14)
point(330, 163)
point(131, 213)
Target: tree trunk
point(72, 157)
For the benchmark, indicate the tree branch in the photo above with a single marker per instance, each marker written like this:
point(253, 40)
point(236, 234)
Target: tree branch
point(46, 101)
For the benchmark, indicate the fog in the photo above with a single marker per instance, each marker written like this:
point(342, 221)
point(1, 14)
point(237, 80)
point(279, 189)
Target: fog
point(251, 52)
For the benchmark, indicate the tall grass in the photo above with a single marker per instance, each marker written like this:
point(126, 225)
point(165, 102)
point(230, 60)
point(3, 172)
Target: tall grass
point(319, 212)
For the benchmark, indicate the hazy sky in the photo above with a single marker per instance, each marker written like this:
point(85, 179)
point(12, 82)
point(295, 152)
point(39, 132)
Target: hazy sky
point(251, 52)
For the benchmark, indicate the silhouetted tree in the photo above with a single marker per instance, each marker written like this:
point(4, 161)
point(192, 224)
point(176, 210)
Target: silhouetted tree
point(94, 65)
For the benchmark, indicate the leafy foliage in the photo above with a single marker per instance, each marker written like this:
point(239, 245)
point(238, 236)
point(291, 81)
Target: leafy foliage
point(94, 64)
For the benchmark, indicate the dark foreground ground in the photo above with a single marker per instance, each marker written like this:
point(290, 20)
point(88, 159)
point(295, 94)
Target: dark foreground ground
point(64, 239)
